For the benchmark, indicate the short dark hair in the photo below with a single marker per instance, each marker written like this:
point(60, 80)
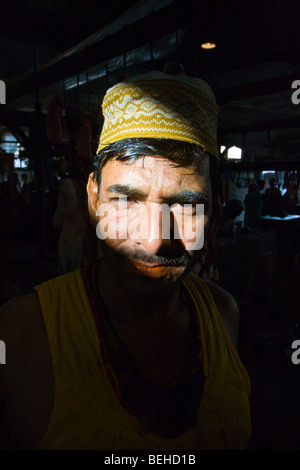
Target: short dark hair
point(180, 154)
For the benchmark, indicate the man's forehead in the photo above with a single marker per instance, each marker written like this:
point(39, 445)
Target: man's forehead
point(155, 176)
point(150, 166)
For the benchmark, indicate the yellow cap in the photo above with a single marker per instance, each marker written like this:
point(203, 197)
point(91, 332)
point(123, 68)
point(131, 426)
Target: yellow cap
point(161, 106)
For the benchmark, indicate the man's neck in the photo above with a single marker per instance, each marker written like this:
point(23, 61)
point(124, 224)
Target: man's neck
point(158, 335)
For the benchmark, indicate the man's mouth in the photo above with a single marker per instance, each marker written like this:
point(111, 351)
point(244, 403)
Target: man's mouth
point(152, 270)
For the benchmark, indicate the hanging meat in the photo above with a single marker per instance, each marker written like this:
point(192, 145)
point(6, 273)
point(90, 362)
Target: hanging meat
point(56, 128)
point(84, 138)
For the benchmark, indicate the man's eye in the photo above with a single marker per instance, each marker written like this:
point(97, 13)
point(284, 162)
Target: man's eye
point(191, 208)
point(181, 209)
point(188, 207)
point(122, 200)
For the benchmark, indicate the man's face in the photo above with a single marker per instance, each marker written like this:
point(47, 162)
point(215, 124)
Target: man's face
point(148, 202)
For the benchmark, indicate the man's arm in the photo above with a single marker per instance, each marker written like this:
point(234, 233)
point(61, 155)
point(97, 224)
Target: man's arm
point(26, 378)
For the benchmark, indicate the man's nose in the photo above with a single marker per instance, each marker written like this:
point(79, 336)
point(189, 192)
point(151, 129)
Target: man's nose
point(157, 227)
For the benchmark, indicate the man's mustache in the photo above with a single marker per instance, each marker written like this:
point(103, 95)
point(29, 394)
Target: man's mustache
point(182, 260)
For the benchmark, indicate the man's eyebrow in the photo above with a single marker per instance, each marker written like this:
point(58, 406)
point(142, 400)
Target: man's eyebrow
point(183, 197)
point(187, 197)
point(126, 190)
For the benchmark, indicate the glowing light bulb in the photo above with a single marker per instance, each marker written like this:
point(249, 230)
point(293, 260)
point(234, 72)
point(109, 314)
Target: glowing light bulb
point(208, 45)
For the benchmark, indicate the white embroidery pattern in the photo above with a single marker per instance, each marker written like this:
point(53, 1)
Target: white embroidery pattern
point(162, 108)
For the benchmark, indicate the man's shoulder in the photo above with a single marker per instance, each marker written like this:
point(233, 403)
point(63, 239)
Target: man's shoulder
point(19, 311)
point(221, 296)
point(27, 370)
point(228, 309)
point(21, 326)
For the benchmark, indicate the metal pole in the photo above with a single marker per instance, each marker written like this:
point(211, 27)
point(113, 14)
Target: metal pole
point(38, 149)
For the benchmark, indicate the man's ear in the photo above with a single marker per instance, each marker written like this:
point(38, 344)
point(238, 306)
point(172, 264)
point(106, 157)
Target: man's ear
point(92, 192)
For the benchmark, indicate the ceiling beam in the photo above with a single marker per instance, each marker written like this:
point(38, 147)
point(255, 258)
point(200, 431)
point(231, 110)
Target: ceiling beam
point(164, 21)
point(260, 88)
point(293, 123)
point(260, 165)
point(9, 116)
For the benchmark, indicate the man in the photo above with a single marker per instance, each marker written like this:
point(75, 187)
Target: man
point(134, 352)
point(273, 202)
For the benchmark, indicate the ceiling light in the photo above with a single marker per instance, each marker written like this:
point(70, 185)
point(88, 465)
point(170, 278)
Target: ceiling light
point(208, 45)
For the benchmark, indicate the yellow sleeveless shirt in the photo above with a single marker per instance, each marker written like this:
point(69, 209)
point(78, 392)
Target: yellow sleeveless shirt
point(87, 414)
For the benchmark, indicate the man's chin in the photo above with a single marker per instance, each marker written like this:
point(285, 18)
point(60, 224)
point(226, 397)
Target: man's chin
point(143, 279)
point(150, 283)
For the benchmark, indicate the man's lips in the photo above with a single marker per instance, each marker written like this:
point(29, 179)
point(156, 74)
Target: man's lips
point(152, 270)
